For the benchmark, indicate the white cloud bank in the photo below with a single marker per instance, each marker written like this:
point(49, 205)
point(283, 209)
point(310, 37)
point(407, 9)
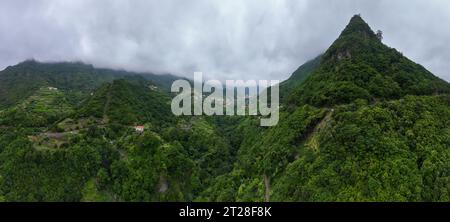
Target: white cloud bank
point(246, 39)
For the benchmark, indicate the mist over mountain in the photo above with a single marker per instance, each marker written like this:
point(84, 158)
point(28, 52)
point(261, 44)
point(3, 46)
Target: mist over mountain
point(22, 80)
point(223, 39)
point(358, 122)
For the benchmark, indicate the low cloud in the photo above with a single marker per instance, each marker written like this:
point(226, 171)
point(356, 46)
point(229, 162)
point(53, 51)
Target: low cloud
point(249, 39)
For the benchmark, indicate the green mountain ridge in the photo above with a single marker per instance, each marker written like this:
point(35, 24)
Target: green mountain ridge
point(359, 66)
point(95, 153)
point(300, 75)
point(77, 79)
point(359, 123)
point(350, 132)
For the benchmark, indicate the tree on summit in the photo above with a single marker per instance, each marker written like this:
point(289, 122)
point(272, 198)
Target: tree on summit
point(380, 35)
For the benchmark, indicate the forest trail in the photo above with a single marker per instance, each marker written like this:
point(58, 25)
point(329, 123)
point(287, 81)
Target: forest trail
point(106, 107)
point(267, 190)
point(312, 139)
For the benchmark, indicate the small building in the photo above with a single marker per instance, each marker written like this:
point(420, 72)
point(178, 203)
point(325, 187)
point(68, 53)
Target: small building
point(152, 87)
point(52, 88)
point(139, 129)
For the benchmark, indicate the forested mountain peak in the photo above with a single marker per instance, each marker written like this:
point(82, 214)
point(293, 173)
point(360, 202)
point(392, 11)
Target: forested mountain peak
point(359, 66)
point(365, 125)
point(360, 122)
point(359, 26)
point(356, 38)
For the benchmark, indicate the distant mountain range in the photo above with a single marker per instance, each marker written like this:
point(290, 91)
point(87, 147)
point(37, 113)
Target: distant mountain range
point(22, 80)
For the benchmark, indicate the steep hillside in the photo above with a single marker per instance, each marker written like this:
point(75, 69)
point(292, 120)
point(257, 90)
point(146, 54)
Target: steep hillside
point(46, 106)
point(359, 66)
point(359, 128)
point(300, 75)
point(359, 123)
point(95, 154)
point(391, 151)
point(77, 79)
point(128, 102)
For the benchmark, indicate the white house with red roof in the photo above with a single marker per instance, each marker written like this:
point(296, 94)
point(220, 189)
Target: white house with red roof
point(139, 129)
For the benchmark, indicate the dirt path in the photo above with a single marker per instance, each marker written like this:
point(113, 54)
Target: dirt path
point(267, 190)
point(311, 139)
point(59, 136)
point(324, 121)
point(106, 107)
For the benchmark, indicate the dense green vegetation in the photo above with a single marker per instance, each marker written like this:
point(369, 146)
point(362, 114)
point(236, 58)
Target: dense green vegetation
point(92, 152)
point(359, 123)
point(75, 79)
point(390, 151)
point(43, 108)
point(367, 140)
point(359, 66)
point(29, 174)
point(127, 102)
point(300, 75)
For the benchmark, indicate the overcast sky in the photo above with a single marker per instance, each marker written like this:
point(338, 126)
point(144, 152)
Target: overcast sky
point(224, 39)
